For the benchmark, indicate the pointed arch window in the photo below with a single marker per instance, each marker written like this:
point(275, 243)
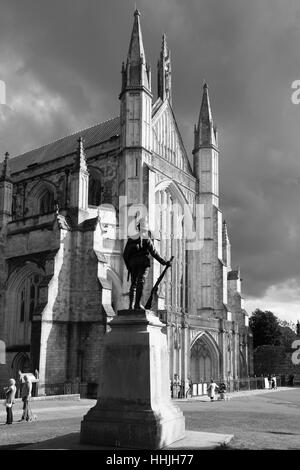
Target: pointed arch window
point(29, 298)
point(47, 202)
point(22, 306)
point(95, 191)
point(169, 226)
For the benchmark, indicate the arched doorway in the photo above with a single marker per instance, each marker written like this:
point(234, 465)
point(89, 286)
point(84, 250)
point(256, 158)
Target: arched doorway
point(204, 361)
point(21, 362)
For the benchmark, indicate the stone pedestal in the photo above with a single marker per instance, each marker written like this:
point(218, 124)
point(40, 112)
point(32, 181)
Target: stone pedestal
point(134, 409)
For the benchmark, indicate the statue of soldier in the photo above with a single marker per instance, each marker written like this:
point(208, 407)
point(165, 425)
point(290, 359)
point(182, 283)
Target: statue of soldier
point(137, 259)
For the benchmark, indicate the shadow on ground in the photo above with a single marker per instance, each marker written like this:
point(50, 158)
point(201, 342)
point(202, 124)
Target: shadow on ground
point(14, 446)
point(67, 441)
point(71, 441)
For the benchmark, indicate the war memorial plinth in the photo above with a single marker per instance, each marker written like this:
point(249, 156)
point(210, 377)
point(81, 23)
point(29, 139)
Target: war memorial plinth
point(134, 407)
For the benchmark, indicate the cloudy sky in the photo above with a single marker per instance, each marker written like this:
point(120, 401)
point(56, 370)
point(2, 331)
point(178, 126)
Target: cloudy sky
point(61, 63)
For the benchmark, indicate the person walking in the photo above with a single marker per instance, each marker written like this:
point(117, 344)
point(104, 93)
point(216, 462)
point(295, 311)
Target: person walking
point(190, 389)
point(212, 390)
point(26, 394)
point(10, 393)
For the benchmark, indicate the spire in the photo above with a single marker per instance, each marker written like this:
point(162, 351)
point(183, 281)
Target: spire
point(80, 163)
point(206, 133)
point(136, 53)
point(136, 72)
point(5, 174)
point(164, 72)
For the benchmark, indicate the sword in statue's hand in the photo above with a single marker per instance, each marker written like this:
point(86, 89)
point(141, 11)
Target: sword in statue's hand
point(155, 287)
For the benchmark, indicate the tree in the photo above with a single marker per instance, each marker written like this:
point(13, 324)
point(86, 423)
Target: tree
point(290, 324)
point(265, 328)
point(287, 336)
point(288, 331)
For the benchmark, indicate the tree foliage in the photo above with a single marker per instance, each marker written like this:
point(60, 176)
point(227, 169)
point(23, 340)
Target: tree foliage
point(265, 328)
point(268, 329)
point(287, 336)
point(292, 325)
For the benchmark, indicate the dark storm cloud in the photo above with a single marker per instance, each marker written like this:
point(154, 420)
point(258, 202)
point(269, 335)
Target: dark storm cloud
point(61, 61)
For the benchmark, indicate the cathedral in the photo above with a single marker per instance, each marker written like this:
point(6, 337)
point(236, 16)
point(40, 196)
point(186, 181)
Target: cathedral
point(65, 209)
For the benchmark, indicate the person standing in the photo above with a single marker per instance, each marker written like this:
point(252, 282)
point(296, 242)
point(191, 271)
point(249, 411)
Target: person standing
point(222, 391)
point(190, 389)
point(212, 390)
point(10, 393)
point(26, 394)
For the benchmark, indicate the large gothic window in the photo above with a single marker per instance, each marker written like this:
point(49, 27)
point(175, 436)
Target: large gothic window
point(170, 241)
point(22, 302)
point(47, 202)
point(28, 298)
point(95, 191)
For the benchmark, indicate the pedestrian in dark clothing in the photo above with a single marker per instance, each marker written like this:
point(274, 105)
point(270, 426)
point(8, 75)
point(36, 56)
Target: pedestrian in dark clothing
point(291, 380)
point(26, 394)
point(137, 259)
point(222, 391)
point(273, 382)
point(10, 393)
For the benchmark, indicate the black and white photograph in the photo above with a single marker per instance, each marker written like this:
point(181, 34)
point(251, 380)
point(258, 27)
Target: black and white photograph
point(150, 228)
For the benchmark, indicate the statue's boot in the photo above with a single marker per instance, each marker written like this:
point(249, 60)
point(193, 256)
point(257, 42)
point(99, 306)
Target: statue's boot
point(139, 293)
point(131, 298)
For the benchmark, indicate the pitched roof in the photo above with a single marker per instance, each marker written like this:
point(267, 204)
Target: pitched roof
point(67, 145)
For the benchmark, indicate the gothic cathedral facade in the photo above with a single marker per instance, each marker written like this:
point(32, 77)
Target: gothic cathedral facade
point(62, 277)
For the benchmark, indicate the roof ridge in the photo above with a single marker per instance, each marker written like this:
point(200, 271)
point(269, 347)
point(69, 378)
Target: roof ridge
point(64, 137)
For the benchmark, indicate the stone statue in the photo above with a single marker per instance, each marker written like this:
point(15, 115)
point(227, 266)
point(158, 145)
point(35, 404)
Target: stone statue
point(137, 259)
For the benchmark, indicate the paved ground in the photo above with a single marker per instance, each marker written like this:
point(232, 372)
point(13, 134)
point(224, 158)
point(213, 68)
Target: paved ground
point(268, 420)
point(55, 418)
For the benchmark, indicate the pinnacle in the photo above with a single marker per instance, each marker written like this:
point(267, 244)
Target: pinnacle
point(80, 158)
point(5, 169)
